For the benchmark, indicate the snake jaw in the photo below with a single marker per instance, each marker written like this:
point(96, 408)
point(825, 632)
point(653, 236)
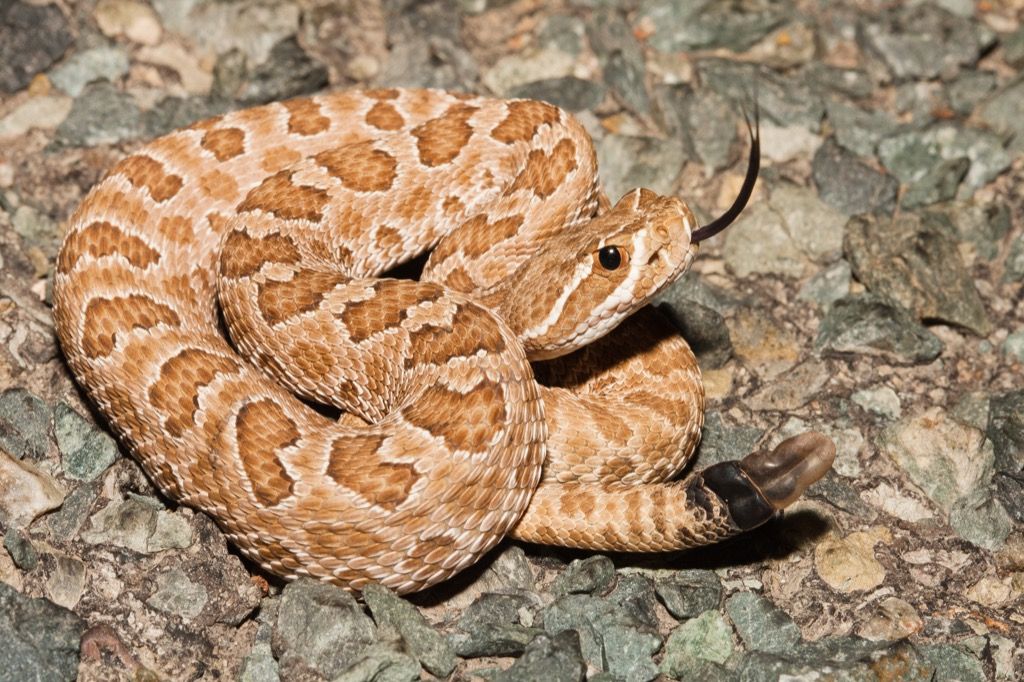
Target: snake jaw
point(763, 483)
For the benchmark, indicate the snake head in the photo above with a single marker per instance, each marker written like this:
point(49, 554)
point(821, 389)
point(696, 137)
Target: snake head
point(599, 273)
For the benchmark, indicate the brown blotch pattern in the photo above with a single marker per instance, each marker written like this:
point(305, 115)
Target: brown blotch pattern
point(386, 308)
point(460, 280)
point(472, 329)
point(262, 428)
point(105, 317)
point(176, 228)
point(281, 197)
point(387, 238)
point(452, 204)
point(243, 256)
point(219, 185)
point(224, 143)
point(145, 171)
point(360, 167)
point(304, 117)
point(280, 301)
point(440, 140)
point(384, 116)
point(176, 391)
point(100, 239)
point(524, 119)
point(466, 421)
point(544, 173)
point(354, 464)
point(478, 235)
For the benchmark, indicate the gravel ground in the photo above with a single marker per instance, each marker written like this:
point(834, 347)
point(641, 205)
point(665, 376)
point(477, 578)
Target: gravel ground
point(873, 290)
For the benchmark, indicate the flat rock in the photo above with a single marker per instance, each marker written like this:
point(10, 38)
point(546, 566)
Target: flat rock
point(707, 637)
point(687, 26)
point(26, 491)
point(102, 114)
point(320, 627)
point(24, 424)
point(38, 639)
point(31, 38)
point(628, 162)
point(395, 616)
point(86, 451)
point(139, 524)
point(848, 563)
point(762, 626)
point(1002, 113)
point(568, 92)
point(848, 184)
point(75, 72)
point(871, 325)
point(556, 658)
point(914, 261)
point(924, 40)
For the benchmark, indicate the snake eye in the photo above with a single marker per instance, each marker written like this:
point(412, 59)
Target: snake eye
point(610, 257)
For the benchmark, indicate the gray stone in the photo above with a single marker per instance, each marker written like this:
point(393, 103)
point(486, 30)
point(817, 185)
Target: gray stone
point(139, 524)
point(554, 658)
point(858, 130)
point(65, 522)
point(870, 325)
point(981, 519)
point(967, 91)
point(177, 594)
point(792, 389)
point(1005, 429)
point(31, 38)
point(680, 665)
point(259, 665)
point(24, 424)
point(38, 639)
point(570, 93)
point(564, 32)
point(585, 576)
point(491, 626)
point(620, 55)
point(65, 583)
point(709, 123)
point(925, 41)
point(952, 664)
point(635, 593)
point(855, 83)
point(703, 328)
point(704, 24)
point(940, 183)
point(1014, 271)
point(253, 28)
point(320, 627)
point(380, 662)
point(848, 184)
point(172, 113)
point(841, 662)
point(100, 115)
point(829, 285)
point(881, 400)
point(913, 155)
point(630, 162)
point(1013, 48)
point(628, 652)
point(105, 62)
point(720, 442)
point(611, 637)
point(784, 99)
point(23, 554)
point(85, 450)
point(396, 617)
point(983, 224)
point(914, 261)
point(287, 72)
point(1002, 114)
point(707, 637)
point(786, 235)
point(687, 594)
point(761, 625)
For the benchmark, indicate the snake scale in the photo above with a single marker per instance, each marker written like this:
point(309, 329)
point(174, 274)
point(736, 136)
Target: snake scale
point(224, 280)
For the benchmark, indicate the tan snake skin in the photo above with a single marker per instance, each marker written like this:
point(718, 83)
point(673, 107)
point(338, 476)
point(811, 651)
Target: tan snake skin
point(285, 215)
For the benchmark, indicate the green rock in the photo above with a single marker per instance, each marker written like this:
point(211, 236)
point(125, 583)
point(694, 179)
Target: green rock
point(24, 424)
point(866, 324)
point(687, 594)
point(585, 576)
point(38, 639)
point(177, 594)
point(395, 615)
point(554, 659)
point(85, 450)
point(707, 637)
point(761, 625)
point(952, 664)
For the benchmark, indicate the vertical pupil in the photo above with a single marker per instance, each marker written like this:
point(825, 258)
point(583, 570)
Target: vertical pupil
point(610, 257)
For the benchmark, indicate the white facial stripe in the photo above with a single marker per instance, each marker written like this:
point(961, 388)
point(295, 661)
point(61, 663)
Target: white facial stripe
point(583, 271)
